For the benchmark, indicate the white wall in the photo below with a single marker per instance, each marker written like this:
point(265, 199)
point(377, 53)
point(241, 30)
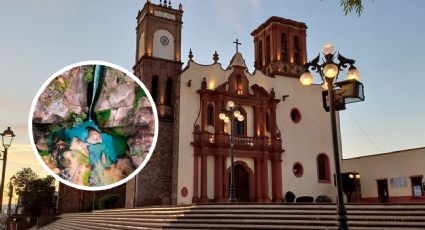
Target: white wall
point(400, 164)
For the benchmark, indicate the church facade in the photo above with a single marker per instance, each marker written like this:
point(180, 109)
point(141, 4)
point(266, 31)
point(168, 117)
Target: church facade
point(283, 144)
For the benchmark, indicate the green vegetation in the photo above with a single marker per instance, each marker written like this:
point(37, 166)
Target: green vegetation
point(88, 74)
point(44, 153)
point(103, 117)
point(86, 177)
point(139, 94)
point(59, 84)
point(323, 199)
point(36, 193)
point(349, 5)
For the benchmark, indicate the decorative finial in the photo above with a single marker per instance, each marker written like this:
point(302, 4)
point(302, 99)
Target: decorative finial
point(237, 45)
point(215, 57)
point(204, 83)
point(272, 93)
point(190, 54)
point(160, 2)
point(180, 7)
point(169, 4)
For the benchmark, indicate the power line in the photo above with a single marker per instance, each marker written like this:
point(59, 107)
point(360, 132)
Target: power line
point(364, 132)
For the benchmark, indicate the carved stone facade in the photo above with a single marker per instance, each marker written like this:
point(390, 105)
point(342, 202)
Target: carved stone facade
point(260, 147)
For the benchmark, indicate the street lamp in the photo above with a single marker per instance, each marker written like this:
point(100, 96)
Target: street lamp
point(6, 138)
point(230, 114)
point(339, 93)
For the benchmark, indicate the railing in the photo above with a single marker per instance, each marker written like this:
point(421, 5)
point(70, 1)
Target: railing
point(238, 140)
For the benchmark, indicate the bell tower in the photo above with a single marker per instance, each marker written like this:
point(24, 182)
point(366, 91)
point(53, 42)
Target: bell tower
point(280, 47)
point(158, 65)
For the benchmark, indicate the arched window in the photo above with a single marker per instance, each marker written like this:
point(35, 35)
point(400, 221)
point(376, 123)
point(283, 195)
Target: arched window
point(240, 129)
point(268, 57)
point(323, 169)
point(297, 51)
point(155, 88)
point(210, 114)
point(260, 53)
point(284, 47)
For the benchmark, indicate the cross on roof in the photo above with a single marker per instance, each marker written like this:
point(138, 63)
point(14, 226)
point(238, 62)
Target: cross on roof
point(237, 44)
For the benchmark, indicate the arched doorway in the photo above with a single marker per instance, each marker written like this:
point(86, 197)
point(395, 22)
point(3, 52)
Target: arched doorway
point(241, 183)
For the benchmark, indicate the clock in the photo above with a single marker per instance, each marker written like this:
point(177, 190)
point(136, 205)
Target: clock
point(164, 40)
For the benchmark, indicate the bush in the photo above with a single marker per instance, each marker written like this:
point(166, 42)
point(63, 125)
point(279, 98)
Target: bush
point(304, 199)
point(323, 199)
point(290, 197)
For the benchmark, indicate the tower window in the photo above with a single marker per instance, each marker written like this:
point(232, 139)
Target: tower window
point(284, 47)
point(323, 169)
point(260, 53)
point(210, 114)
point(297, 51)
point(268, 57)
point(169, 92)
point(155, 88)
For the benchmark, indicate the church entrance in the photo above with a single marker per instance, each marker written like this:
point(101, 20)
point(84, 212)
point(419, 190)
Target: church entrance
point(241, 183)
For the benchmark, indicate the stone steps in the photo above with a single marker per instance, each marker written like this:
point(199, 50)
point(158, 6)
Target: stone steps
point(246, 216)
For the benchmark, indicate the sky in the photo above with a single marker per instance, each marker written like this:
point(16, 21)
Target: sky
point(39, 37)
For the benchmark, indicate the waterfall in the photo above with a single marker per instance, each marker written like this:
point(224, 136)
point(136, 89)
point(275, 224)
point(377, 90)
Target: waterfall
point(96, 77)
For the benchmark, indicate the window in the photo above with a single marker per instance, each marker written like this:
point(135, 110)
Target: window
point(323, 169)
point(268, 121)
point(169, 91)
point(260, 53)
point(295, 115)
point(268, 58)
point(240, 129)
point(210, 114)
point(284, 47)
point(298, 169)
point(155, 88)
point(297, 51)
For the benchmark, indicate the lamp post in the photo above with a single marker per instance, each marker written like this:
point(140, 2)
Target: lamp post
point(230, 114)
point(6, 137)
point(339, 92)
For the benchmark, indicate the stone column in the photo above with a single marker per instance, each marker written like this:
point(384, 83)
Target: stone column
point(204, 115)
point(195, 197)
point(277, 180)
point(265, 180)
point(204, 197)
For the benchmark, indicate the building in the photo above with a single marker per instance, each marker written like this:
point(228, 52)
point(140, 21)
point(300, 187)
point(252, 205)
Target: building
point(394, 177)
point(284, 144)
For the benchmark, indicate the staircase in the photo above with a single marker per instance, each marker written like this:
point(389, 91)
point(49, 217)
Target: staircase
point(246, 216)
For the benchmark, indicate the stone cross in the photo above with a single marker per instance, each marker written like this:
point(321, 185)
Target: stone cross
point(237, 44)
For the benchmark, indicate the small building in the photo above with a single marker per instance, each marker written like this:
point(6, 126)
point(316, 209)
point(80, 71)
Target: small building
point(394, 177)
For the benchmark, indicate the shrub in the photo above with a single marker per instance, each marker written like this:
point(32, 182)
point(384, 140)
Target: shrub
point(289, 197)
point(304, 199)
point(323, 199)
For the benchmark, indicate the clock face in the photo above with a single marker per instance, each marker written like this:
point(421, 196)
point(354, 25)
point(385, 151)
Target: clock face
point(164, 40)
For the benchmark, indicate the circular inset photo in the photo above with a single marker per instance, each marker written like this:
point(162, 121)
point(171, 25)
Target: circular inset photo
point(93, 125)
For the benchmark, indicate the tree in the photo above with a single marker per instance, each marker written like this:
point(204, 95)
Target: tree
point(36, 193)
point(349, 5)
